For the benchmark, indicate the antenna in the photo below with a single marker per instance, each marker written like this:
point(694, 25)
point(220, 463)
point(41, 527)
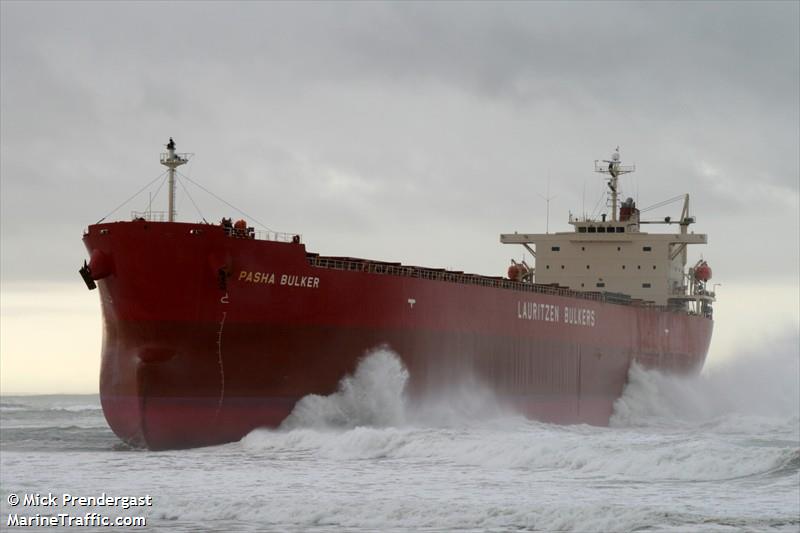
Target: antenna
point(583, 200)
point(547, 199)
point(614, 169)
point(172, 160)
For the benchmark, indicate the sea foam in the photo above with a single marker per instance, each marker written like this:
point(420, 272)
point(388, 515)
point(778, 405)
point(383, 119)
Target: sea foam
point(756, 385)
point(370, 417)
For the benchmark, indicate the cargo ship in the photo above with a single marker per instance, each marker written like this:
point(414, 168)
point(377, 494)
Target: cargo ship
point(212, 330)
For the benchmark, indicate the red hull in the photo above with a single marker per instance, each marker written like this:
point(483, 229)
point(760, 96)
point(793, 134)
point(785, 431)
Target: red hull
point(189, 360)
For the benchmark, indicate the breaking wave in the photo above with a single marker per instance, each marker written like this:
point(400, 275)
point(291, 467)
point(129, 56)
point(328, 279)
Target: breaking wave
point(367, 458)
point(370, 417)
point(373, 396)
point(7, 407)
point(762, 389)
point(49, 404)
point(759, 388)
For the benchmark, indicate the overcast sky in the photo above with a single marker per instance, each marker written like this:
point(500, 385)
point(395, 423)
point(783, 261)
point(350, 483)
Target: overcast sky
point(408, 132)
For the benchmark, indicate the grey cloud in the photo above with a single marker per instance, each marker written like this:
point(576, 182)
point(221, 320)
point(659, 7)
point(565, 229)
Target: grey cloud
point(413, 132)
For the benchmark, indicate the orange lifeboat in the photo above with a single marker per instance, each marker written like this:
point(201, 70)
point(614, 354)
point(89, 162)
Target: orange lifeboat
point(702, 272)
point(240, 227)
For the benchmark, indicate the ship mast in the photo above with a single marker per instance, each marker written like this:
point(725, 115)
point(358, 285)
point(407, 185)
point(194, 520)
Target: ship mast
point(172, 160)
point(614, 169)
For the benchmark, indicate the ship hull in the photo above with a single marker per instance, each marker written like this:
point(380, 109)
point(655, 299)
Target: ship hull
point(208, 336)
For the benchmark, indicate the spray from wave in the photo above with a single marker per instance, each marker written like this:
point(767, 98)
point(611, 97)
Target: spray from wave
point(752, 385)
point(371, 418)
point(765, 386)
point(373, 396)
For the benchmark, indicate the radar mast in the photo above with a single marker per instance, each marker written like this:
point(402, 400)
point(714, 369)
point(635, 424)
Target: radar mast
point(173, 160)
point(614, 168)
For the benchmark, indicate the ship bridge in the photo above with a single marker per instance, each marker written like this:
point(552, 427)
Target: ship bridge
point(614, 255)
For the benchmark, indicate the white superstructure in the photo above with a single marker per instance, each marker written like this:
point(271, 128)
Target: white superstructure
point(615, 256)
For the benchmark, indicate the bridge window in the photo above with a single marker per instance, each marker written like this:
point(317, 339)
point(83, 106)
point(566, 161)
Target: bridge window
point(555, 248)
point(601, 229)
point(621, 229)
point(647, 249)
point(645, 285)
point(592, 229)
point(601, 284)
point(582, 230)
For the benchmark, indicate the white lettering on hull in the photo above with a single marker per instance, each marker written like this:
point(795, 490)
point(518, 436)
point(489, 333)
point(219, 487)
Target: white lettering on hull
point(552, 313)
point(287, 280)
point(299, 281)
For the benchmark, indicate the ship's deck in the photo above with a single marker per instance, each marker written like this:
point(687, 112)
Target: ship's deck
point(354, 264)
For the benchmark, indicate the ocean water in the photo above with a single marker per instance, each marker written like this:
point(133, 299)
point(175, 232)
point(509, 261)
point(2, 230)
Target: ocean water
point(718, 452)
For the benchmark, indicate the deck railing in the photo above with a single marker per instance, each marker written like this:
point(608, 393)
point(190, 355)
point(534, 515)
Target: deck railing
point(150, 216)
point(249, 233)
point(394, 269)
point(263, 235)
point(277, 236)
